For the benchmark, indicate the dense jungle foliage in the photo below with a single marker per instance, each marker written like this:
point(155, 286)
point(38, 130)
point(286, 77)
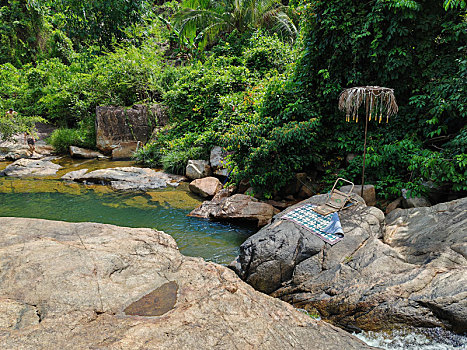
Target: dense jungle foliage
point(260, 78)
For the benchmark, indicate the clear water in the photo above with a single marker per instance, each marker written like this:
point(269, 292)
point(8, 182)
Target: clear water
point(164, 210)
point(415, 339)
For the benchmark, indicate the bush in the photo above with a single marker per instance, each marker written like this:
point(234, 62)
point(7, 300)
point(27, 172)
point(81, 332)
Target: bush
point(265, 53)
point(195, 98)
point(269, 155)
point(62, 139)
point(175, 161)
point(407, 165)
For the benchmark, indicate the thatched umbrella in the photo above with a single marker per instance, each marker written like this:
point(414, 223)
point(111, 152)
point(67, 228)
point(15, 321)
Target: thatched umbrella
point(378, 102)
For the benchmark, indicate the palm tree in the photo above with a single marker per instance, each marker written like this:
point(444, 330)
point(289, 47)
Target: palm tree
point(204, 20)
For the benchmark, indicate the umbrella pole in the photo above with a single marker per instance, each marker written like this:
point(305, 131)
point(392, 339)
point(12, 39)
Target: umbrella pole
point(364, 156)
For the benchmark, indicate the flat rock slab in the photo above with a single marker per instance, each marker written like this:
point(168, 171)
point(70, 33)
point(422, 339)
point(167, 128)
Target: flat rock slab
point(407, 269)
point(95, 286)
point(127, 178)
point(30, 168)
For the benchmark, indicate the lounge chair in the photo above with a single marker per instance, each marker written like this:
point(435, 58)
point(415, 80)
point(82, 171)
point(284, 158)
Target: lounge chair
point(336, 200)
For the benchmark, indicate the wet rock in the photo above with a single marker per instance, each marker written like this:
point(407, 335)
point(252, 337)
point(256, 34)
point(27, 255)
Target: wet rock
point(238, 207)
point(72, 175)
point(78, 152)
point(30, 168)
point(86, 285)
point(125, 150)
point(197, 169)
point(407, 269)
point(129, 178)
point(206, 187)
point(116, 125)
point(369, 193)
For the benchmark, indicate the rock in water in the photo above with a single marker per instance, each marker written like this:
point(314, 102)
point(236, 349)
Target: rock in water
point(30, 168)
point(127, 178)
point(78, 152)
point(239, 207)
point(95, 286)
point(409, 270)
point(206, 187)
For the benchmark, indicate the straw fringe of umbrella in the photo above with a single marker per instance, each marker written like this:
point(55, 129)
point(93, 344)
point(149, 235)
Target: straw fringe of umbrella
point(377, 101)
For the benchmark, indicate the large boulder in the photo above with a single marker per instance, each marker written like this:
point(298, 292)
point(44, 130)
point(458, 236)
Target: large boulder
point(197, 169)
point(238, 207)
point(78, 152)
point(30, 168)
point(115, 125)
point(126, 178)
point(95, 286)
point(407, 269)
point(206, 187)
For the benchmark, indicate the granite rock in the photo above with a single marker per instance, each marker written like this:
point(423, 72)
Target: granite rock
point(95, 286)
point(409, 268)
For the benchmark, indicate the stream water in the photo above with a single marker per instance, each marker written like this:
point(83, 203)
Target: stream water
point(165, 210)
point(415, 339)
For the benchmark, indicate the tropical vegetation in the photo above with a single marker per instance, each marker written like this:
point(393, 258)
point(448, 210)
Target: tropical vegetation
point(260, 78)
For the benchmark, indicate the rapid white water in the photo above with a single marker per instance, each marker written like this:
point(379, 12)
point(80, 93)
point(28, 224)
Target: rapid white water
point(415, 339)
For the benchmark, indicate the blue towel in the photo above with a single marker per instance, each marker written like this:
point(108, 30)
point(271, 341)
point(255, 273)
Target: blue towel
point(328, 227)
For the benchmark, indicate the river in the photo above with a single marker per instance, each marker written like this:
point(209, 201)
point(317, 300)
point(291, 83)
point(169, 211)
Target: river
point(165, 210)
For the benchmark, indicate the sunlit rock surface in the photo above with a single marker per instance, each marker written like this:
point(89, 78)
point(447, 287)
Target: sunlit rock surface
point(236, 208)
point(95, 286)
point(30, 168)
point(206, 187)
point(127, 178)
point(116, 125)
point(409, 268)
